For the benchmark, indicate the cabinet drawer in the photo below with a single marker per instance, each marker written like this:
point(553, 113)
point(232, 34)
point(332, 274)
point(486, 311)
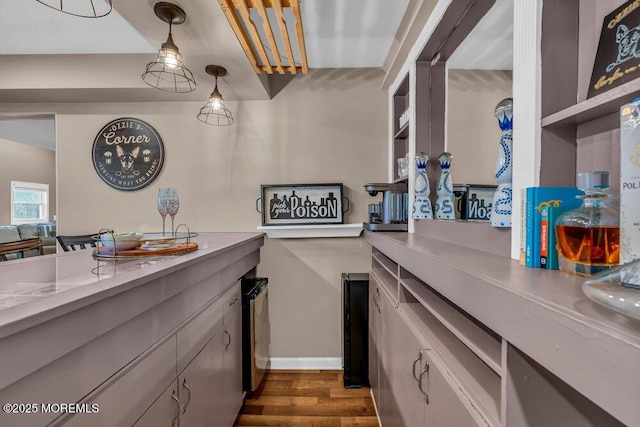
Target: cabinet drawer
point(127, 396)
point(197, 333)
point(232, 301)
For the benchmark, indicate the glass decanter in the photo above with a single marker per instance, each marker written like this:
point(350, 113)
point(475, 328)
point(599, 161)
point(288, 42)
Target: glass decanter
point(588, 237)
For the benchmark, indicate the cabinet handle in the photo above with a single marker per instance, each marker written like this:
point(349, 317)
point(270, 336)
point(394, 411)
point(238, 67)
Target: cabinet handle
point(226, 345)
point(424, 371)
point(184, 384)
point(413, 369)
point(375, 299)
point(174, 420)
point(235, 300)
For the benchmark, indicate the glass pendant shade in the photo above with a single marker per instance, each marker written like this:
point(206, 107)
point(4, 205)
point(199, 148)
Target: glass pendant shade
point(168, 72)
point(215, 111)
point(81, 8)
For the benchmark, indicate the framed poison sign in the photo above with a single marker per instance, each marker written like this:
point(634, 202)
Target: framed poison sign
point(302, 204)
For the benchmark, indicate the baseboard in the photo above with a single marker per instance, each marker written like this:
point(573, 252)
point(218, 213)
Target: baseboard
point(306, 363)
point(375, 406)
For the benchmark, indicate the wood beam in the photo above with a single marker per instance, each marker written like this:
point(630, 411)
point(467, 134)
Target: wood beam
point(244, 10)
point(241, 34)
point(266, 25)
point(295, 7)
point(277, 7)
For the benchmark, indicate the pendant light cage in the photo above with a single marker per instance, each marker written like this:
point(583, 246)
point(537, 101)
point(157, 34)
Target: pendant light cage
point(215, 111)
point(81, 8)
point(167, 72)
point(176, 79)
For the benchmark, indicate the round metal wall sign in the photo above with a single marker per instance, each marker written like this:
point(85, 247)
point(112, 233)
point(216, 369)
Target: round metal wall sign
point(128, 154)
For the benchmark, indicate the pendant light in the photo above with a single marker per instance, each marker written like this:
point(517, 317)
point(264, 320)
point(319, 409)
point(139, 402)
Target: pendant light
point(215, 111)
point(81, 8)
point(167, 72)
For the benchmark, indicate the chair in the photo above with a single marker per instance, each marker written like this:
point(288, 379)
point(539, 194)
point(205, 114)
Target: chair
point(19, 247)
point(74, 243)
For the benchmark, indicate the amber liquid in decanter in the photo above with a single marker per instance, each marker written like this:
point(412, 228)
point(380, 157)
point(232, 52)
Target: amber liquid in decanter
point(599, 245)
point(588, 237)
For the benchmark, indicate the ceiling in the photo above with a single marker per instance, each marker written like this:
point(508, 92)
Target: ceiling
point(54, 57)
point(489, 46)
point(48, 56)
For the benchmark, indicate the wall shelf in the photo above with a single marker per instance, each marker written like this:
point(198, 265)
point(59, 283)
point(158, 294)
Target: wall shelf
point(403, 133)
point(594, 108)
point(311, 231)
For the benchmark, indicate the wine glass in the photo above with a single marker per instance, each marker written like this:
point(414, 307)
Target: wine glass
point(163, 197)
point(173, 204)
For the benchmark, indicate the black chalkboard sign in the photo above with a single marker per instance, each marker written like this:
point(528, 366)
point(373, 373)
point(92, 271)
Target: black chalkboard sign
point(128, 154)
point(302, 204)
point(618, 57)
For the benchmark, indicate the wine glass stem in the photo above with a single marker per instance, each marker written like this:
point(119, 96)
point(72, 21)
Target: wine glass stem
point(163, 233)
point(172, 229)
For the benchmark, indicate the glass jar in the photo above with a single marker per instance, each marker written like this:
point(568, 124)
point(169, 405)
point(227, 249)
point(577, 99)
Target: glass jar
point(588, 237)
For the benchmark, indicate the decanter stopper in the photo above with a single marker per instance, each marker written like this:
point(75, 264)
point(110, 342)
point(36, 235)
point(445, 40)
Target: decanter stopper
point(444, 204)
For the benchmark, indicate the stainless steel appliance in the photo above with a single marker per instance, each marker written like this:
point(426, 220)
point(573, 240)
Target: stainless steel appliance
point(256, 332)
point(394, 209)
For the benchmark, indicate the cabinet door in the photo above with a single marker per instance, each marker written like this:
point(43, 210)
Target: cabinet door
point(133, 390)
point(374, 360)
point(232, 367)
point(405, 365)
point(444, 407)
point(165, 411)
point(388, 409)
point(200, 385)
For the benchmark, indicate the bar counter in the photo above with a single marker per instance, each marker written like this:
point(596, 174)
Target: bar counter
point(69, 315)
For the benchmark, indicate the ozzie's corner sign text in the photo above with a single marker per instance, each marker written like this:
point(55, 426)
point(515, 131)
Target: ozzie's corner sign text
point(128, 154)
point(302, 204)
point(618, 57)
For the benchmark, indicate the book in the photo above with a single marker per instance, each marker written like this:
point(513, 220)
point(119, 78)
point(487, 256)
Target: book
point(537, 198)
point(553, 213)
point(544, 235)
point(523, 226)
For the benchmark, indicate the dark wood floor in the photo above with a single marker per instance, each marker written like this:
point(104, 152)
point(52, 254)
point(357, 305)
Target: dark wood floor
point(307, 399)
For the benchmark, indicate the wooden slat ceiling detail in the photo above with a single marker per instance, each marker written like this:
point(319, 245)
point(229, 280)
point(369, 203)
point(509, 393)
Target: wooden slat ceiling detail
point(237, 12)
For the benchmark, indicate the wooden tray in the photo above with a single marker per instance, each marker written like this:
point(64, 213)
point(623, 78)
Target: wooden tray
point(180, 248)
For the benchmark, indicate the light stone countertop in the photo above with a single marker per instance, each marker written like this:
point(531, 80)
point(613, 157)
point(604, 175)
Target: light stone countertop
point(37, 289)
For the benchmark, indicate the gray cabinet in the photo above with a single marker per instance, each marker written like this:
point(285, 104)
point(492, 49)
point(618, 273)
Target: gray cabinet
point(191, 379)
point(388, 405)
point(443, 408)
point(200, 391)
point(232, 360)
point(374, 359)
point(411, 384)
point(407, 362)
point(165, 411)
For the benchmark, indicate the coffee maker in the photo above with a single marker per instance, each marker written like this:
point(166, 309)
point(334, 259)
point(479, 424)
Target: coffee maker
point(392, 214)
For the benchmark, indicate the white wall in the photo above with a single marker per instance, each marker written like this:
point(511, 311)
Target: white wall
point(328, 126)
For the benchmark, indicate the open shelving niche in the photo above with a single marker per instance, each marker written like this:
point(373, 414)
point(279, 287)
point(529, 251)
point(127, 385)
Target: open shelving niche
point(400, 134)
point(421, 85)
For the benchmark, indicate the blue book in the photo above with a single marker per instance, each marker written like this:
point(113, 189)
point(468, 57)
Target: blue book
point(553, 214)
point(538, 197)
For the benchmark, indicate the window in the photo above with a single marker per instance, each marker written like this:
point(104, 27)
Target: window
point(29, 202)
